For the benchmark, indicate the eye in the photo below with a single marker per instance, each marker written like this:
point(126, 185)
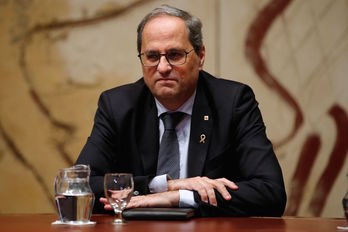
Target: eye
point(152, 56)
point(175, 55)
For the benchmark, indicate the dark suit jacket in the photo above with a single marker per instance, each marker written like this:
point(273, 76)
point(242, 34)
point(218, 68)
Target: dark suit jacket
point(125, 138)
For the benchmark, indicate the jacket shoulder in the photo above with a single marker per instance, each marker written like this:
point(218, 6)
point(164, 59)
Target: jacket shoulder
point(223, 89)
point(126, 98)
point(127, 91)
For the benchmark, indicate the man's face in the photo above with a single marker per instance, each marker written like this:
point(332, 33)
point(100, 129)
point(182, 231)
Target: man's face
point(171, 85)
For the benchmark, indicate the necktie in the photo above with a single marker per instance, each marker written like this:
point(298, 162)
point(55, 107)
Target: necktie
point(168, 156)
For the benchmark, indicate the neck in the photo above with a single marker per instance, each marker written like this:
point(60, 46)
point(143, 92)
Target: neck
point(173, 104)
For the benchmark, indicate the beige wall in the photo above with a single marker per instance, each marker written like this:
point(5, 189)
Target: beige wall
point(57, 56)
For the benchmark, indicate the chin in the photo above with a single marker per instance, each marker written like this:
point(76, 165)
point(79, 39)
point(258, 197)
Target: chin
point(166, 94)
point(166, 90)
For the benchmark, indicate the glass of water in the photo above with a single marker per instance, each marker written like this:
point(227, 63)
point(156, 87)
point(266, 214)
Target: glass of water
point(118, 188)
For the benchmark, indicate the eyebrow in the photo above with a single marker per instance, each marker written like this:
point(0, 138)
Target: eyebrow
point(171, 49)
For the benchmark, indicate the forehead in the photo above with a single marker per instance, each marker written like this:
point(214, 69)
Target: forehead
point(165, 32)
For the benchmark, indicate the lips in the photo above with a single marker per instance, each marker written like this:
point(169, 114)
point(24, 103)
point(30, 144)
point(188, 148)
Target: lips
point(166, 80)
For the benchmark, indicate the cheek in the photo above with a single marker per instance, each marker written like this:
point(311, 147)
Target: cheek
point(190, 69)
point(148, 76)
point(193, 70)
point(189, 77)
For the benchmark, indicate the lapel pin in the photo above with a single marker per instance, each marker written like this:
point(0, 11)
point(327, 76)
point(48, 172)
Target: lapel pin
point(203, 137)
point(206, 117)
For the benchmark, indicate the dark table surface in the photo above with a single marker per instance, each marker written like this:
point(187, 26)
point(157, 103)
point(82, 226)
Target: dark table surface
point(42, 222)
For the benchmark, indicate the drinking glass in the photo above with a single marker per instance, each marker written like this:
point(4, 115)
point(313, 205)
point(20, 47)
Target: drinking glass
point(118, 188)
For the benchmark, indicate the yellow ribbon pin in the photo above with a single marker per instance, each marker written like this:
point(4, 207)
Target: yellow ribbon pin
point(203, 137)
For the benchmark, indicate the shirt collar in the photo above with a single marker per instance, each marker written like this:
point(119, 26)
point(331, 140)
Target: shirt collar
point(185, 108)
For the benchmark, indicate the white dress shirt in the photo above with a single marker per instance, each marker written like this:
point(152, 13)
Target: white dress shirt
point(159, 183)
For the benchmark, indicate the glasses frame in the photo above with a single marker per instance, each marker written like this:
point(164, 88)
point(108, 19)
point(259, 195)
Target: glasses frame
point(166, 56)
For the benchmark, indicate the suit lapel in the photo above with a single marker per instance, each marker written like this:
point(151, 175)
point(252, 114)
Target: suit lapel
point(148, 135)
point(200, 136)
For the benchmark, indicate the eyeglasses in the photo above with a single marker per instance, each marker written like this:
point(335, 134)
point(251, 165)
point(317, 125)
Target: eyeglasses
point(174, 57)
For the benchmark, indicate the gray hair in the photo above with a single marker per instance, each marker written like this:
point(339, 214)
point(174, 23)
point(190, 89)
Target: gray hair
point(193, 25)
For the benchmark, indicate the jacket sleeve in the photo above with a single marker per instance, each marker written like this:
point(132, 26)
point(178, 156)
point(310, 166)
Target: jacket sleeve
point(259, 177)
point(101, 152)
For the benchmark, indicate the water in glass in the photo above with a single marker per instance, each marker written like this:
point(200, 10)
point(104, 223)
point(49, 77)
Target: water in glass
point(118, 189)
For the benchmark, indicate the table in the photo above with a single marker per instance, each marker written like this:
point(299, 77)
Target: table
point(42, 222)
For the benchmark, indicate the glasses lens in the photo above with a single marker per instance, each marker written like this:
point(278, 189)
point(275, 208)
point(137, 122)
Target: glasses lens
point(150, 58)
point(176, 57)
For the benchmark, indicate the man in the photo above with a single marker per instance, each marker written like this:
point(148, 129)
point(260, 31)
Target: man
point(225, 165)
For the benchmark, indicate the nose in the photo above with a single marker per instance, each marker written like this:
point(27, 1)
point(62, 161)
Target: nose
point(163, 65)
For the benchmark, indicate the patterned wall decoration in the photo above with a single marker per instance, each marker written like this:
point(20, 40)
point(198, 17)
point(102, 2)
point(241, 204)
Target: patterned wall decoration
point(57, 56)
point(257, 31)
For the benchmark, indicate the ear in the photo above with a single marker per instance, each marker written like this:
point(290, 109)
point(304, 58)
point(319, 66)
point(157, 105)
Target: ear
point(201, 57)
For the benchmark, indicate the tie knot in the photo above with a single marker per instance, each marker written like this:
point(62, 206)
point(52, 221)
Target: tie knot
point(170, 120)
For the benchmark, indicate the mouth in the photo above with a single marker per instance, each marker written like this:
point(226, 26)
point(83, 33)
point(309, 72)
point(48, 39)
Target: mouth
point(166, 80)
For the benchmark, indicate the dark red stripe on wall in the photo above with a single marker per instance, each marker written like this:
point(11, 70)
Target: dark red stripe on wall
point(304, 166)
point(255, 36)
point(335, 163)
